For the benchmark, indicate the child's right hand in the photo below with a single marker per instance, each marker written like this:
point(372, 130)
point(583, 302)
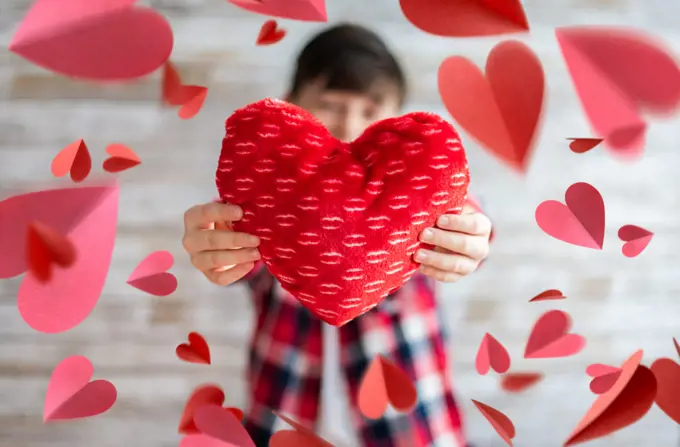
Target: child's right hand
point(221, 254)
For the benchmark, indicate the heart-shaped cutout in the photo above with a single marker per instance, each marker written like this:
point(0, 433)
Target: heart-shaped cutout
point(306, 10)
point(384, 383)
point(583, 145)
point(502, 109)
point(220, 423)
point(518, 382)
point(201, 396)
point(46, 248)
point(677, 346)
point(635, 239)
point(196, 351)
point(190, 98)
point(151, 275)
point(618, 74)
point(300, 437)
point(499, 421)
point(580, 222)
point(270, 33)
point(339, 222)
point(604, 377)
point(625, 403)
point(120, 158)
point(491, 354)
point(667, 373)
point(547, 295)
point(463, 18)
point(550, 337)
point(101, 40)
point(71, 395)
point(74, 159)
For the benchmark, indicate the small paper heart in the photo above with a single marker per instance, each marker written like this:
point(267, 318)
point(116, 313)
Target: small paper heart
point(190, 98)
point(74, 159)
point(550, 337)
point(550, 294)
point(300, 437)
point(46, 247)
point(151, 274)
point(518, 382)
point(636, 240)
point(491, 354)
point(384, 383)
point(194, 104)
point(196, 351)
point(220, 423)
point(583, 145)
point(499, 421)
point(270, 33)
point(121, 158)
point(201, 396)
point(604, 377)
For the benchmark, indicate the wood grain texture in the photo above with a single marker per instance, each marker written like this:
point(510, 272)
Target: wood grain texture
point(618, 304)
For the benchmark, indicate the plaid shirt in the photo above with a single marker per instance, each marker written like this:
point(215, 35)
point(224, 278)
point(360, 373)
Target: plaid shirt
point(285, 364)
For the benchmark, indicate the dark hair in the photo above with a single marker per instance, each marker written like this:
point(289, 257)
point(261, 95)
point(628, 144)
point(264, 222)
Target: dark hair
point(351, 58)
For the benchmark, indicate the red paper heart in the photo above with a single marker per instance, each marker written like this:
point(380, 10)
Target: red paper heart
point(220, 423)
point(151, 274)
point(121, 158)
point(667, 373)
point(94, 39)
point(196, 351)
point(465, 18)
point(550, 294)
point(604, 377)
point(201, 396)
point(47, 247)
point(339, 222)
point(306, 10)
point(677, 346)
point(74, 159)
point(636, 240)
point(618, 73)
point(625, 403)
point(492, 354)
point(71, 395)
point(518, 382)
point(583, 145)
point(300, 437)
point(270, 33)
point(502, 109)
point(580, 222)
point(190, 98)
point(499, 421)
point(384, 383)
point(550, 337)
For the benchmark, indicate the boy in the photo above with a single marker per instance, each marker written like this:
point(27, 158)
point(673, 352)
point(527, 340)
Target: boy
point(348, 79)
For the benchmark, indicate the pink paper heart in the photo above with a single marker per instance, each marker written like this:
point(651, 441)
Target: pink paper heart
point(550, 337)
point(604, 377)
point(306, 10)
point(580, 222)
point(220, 423)
point(94, 39)
point(71, 395)
point(87, 215)
point(492, 354)
point(636, 240)
point(151, 276)
point(201, 440)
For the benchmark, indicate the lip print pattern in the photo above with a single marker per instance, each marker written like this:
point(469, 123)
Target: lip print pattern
point(339, 222)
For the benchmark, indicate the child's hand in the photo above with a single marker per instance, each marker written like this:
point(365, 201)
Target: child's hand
point(224, 256)
point(461, 243)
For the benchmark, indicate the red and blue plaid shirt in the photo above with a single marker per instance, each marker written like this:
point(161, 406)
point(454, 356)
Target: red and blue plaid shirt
point(285, 364)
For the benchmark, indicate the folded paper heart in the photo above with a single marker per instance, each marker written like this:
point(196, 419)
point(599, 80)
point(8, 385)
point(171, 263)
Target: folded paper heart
point(546, 295)
point(220, 423)
point(71, 395)
point(103, 40)
point(667, 374)
point(518, 382)
point(339, 222)
point(583, 145)
point(120, 158)
point(270, 33)
point(636, 240)
point(196, 351)
point(383, 383)
point(502, 109)
point(46, 248)
point(151, 274)
point(74, 159)
point(87, 216)
point(499, 421)
point(580, 222)
point(301, 436)
point(203, 395)
point(677, 346)
point(550, 337)
point(465, 18)
point(306, 10)
point(604, 377)
point(491, 354)
point(190, 98)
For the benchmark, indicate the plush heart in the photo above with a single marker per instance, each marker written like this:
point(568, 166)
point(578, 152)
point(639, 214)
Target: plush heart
point(339, 222)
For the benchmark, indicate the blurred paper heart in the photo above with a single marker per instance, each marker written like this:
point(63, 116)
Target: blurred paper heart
point(583, 145)
point(463, 18)
point(220, 423)
point(667, 373)
point(620, 73)
point(604, 377)
point(120, 158)
point(305, 10)
point(103, 40)
point(636, 240)
point(625, 403)
point(491, 354)
point(580, 222)
point(74, 159)
point(201, 396)
point(677, 346)
point(518, 382)
point(550, 337)
point(151, 274)
point(499, 421)
point(71, 395)
point(196, 351)
point(300, 437)
point(46, 248)
point(550, 294)
point(201, 440)
point(270, 33)
point(502, 109)
point(190, 98)
point(384, 383)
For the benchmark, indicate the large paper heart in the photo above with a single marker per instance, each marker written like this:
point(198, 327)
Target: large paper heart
point(502, 109)
point(221, 423)
point(306, 10)
point(94, 39)
point(667, 373)
point(550, 337)
point(618, 74)
point(339, 222)
point(87, 215)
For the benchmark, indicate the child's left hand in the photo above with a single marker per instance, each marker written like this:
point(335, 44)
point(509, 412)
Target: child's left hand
point(461, 243)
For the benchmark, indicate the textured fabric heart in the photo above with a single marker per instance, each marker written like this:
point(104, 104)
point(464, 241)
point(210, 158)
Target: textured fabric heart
point(339, 222)
point(196, 351)
point(550, 337)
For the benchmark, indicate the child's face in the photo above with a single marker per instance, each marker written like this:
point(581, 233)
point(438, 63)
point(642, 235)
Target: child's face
point(346, 114)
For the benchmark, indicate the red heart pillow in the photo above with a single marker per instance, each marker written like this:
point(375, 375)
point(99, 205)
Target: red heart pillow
point(339, 222)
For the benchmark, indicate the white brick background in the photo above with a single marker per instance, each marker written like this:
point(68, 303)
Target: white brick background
point(618, 304)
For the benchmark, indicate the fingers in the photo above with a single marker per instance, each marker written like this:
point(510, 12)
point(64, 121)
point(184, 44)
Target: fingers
point(202, 217)
point(447, 262)
point(229, 276)
point(439, 275)
point(475, 247)
point(209, 240)
point(475, 223)
point(218, 259)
